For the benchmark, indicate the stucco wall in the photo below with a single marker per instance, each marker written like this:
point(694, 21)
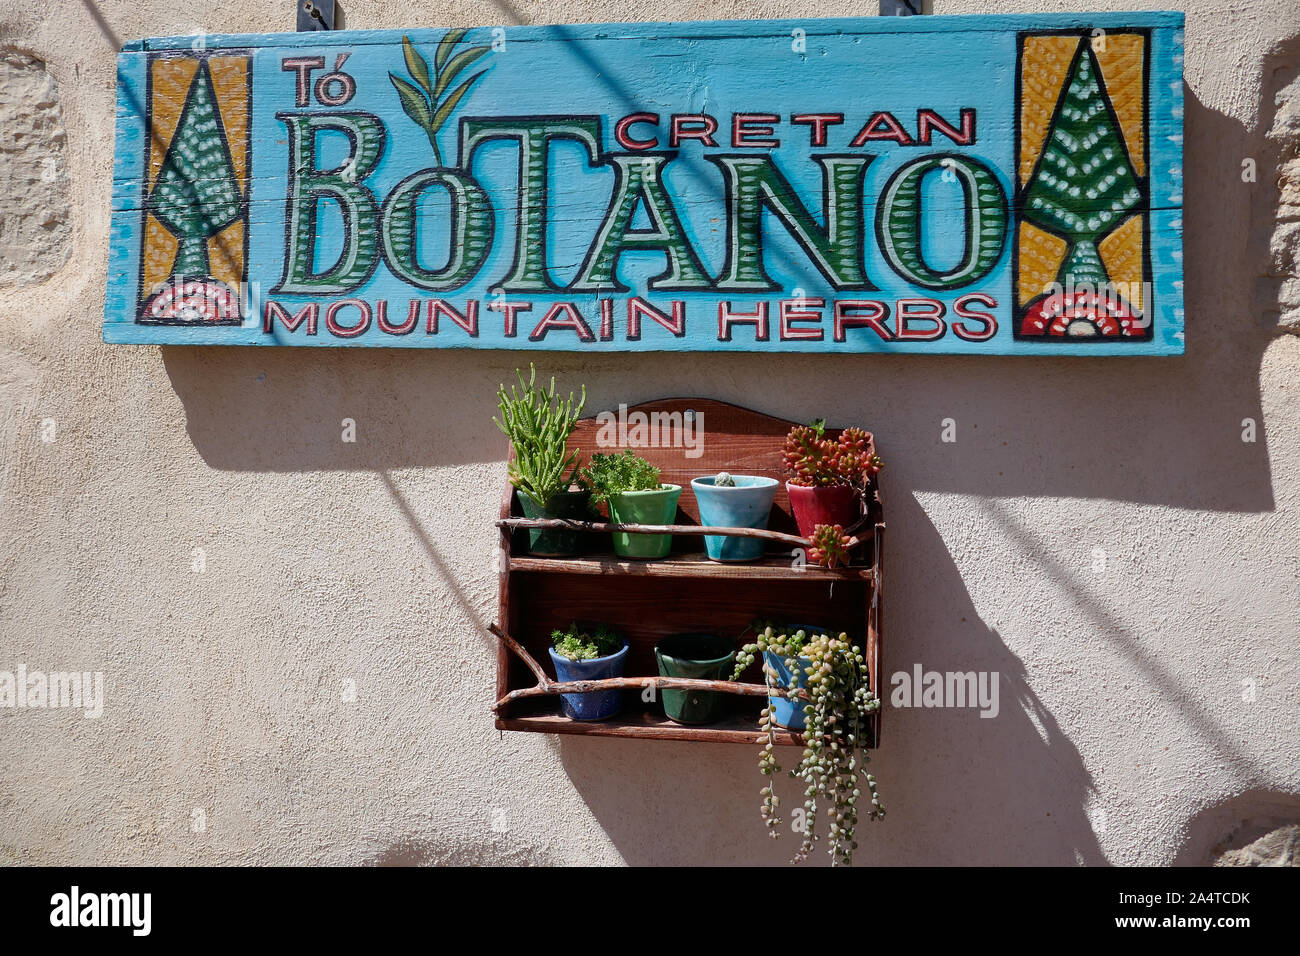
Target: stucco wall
point(1123, 736)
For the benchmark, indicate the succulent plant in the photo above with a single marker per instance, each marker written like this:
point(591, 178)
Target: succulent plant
point(833, 764)
point(538, 425)
point(830, 546)
point(807, 455)
point(611, 474)
point(724, 480)
point(812, 459)
point(854, 460)
point(585, 644)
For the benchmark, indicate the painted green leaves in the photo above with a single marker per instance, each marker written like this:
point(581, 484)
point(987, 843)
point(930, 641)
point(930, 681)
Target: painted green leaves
point(429, 99)
point(196, 195)
point(1084, 185)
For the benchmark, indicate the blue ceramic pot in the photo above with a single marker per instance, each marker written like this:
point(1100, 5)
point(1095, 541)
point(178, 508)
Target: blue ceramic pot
point(746, 505)
point(598, 705)
point(787, 712)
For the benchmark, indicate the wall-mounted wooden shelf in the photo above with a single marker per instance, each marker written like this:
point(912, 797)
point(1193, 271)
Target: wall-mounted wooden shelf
point(684, 592)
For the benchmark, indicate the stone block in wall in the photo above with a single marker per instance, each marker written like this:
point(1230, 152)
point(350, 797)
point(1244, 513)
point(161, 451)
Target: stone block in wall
point(35, 209)
point(1278, 847)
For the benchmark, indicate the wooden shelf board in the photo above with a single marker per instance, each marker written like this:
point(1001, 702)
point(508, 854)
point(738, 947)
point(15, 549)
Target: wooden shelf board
point(647, 725)
point(688, 564)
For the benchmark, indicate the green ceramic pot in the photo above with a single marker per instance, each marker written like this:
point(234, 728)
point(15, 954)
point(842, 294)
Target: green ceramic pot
point(555, 542)
point(644, 507)
point(701, 656)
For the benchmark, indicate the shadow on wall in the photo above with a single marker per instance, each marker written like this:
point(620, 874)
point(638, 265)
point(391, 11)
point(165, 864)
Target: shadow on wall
point(1164, 431)
point(958, 789)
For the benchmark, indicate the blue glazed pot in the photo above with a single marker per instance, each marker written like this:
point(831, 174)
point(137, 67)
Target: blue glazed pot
point(599, 705)
point(786, 712)
point(789, 713)
point(746, 505)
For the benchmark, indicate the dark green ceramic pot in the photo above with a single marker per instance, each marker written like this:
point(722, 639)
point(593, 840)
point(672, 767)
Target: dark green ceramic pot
point(701, 656)
point(555, 542)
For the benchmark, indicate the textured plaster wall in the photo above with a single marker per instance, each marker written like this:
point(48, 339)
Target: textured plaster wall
point(1123, 734)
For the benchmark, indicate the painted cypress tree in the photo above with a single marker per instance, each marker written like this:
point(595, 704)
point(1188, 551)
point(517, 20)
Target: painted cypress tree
point(196, 195)
point(1084, 184)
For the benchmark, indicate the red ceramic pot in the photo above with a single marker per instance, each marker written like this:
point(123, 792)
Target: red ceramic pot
point(829, 504)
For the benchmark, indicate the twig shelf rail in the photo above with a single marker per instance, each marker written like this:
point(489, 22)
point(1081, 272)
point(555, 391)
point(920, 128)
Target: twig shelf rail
point(648, 600)
point(547, 687)
point(762, 533)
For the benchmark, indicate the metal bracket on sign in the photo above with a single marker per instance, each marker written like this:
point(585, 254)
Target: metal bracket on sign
point(319, 15)
point(902, 8)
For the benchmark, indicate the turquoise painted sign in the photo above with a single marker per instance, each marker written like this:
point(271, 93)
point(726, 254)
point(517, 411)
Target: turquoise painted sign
point(994, 184)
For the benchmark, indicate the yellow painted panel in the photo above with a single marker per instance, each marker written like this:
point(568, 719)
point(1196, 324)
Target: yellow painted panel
point(226, 255)
point(1044, 63)
point(159, 253)
point(230, 81)
point(1120, 57)
point(1121, 252)
point(1041, 255)
point(171, 79)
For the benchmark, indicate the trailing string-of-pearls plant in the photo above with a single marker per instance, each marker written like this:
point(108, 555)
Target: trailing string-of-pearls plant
point(833, 763)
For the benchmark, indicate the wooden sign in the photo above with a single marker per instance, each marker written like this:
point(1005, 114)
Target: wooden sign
point(993, 184)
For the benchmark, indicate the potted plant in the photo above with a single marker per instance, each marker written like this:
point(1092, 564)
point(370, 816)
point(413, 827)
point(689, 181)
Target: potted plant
point(832, 673)
point(699, 656)
point(787, 712)
point(828, 478)
point(589, 653)
point(630, 486)
point(543, 471)
point(734, 501)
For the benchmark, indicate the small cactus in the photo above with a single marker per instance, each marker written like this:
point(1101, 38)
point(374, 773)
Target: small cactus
point(724, 480)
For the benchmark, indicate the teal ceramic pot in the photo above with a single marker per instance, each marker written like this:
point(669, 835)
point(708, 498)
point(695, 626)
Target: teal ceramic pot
point(746, 505)
point(658, 506)
point(555, 542)
point(699, 656)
